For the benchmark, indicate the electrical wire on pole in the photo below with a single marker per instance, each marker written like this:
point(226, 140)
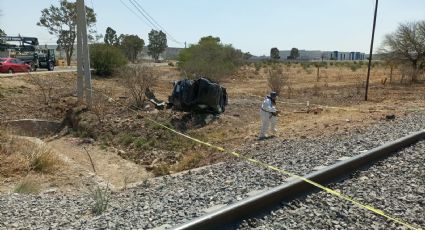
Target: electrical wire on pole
point(137, 15)
point(147, 19)
point(156, 23)
point(370, 52)
point(152, 25)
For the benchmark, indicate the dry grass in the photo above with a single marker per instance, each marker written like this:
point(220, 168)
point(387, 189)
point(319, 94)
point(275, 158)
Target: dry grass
point(42, 159)
point(161, 170)
point(19, 156)
point(27, 186)
point(189, 161)
point(11, 165)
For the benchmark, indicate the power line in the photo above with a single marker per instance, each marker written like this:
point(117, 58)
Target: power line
point(156, 23)
point(141, 12)
point(146, 18)
point(137, 15)
point(153, 24)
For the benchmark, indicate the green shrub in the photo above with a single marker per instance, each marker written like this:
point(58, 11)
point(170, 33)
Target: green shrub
point(209, 58)
point(354, 67)
point(126, 139)
point(101, 200)
point(106, 58)
point(141, 143)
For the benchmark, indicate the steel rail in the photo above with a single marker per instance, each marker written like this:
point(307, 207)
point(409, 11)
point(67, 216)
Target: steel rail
point(228, 217)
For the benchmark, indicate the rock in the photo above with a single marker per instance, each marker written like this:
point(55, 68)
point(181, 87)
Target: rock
point(389, 117)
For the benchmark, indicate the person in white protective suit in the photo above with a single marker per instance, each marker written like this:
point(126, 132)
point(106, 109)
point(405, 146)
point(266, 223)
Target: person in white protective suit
point(268, 115)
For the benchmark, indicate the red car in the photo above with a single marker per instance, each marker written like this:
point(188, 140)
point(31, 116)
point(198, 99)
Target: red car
point(13, 65)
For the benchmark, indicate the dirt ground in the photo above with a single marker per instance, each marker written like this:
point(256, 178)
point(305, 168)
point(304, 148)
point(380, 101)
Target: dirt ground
point(126, 148)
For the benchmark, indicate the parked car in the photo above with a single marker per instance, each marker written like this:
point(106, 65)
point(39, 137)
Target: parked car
point(13, 65)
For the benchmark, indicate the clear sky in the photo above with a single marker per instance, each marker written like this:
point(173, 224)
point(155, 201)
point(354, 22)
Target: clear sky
point(253, 26)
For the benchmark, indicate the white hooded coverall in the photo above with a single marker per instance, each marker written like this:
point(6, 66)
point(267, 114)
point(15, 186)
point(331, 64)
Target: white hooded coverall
point(267, 108)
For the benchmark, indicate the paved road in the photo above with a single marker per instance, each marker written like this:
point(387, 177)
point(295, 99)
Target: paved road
point(58, 69)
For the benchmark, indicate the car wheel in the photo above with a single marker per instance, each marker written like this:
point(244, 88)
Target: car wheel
point(10, 71)
point(51, 66)
point(33, 67)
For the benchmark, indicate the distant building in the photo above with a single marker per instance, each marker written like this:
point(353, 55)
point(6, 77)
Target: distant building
point(315, 55)
point(170, 53)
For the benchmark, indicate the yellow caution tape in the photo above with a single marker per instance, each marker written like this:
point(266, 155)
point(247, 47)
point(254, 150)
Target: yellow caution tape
point(342, 108)
point(326, 189)
point(282, 171)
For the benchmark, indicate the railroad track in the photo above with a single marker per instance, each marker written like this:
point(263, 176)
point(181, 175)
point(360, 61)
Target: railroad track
point(168, 201)
point(245, 211)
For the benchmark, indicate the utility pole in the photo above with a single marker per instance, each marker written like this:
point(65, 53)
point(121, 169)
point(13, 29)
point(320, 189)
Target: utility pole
point(370, 52)
point(83, 61)
point(80, 71)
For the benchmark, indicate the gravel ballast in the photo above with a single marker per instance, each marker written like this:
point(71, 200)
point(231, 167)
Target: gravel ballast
point(395, 185)
point(172, 200)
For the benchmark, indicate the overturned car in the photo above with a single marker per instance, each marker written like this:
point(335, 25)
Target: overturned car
point(199, 95)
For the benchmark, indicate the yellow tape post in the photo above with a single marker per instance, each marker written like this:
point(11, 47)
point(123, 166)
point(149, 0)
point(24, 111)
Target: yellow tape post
point(282, 171)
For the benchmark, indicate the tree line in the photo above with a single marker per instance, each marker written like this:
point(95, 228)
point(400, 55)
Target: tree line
point(403, 48)
point(132, 45)
point(209, 57)
point(61, 22)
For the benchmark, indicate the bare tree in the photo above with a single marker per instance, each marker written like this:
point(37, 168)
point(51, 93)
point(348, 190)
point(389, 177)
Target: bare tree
point(45, 86)
point(100, 103)
point(277, 79)
point(407, 46)
point(137, 79)
point(61, 21)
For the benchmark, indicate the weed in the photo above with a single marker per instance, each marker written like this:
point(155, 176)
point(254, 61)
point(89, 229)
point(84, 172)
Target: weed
point(81, 133)
point(161, 170)
point(126, 139)
point(354, 67)
point(43, 159)
point(99, 104)
point(45, 86)
point(19, 155)
point(101, 200)
point(146, 183)
point(125, 183)
point(103, 146)
point(27, 186)
point(154, 126)
point(106, 139)
point(277, 80)
point(140, 143)
point(13, 164)
point(316, 90)
point(137, 80)
point(189, 161)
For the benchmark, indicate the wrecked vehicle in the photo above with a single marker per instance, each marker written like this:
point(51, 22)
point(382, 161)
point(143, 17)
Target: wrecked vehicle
point(199, 95)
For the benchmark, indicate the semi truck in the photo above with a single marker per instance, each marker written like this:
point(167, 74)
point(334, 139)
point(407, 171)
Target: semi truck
point(28, 50)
